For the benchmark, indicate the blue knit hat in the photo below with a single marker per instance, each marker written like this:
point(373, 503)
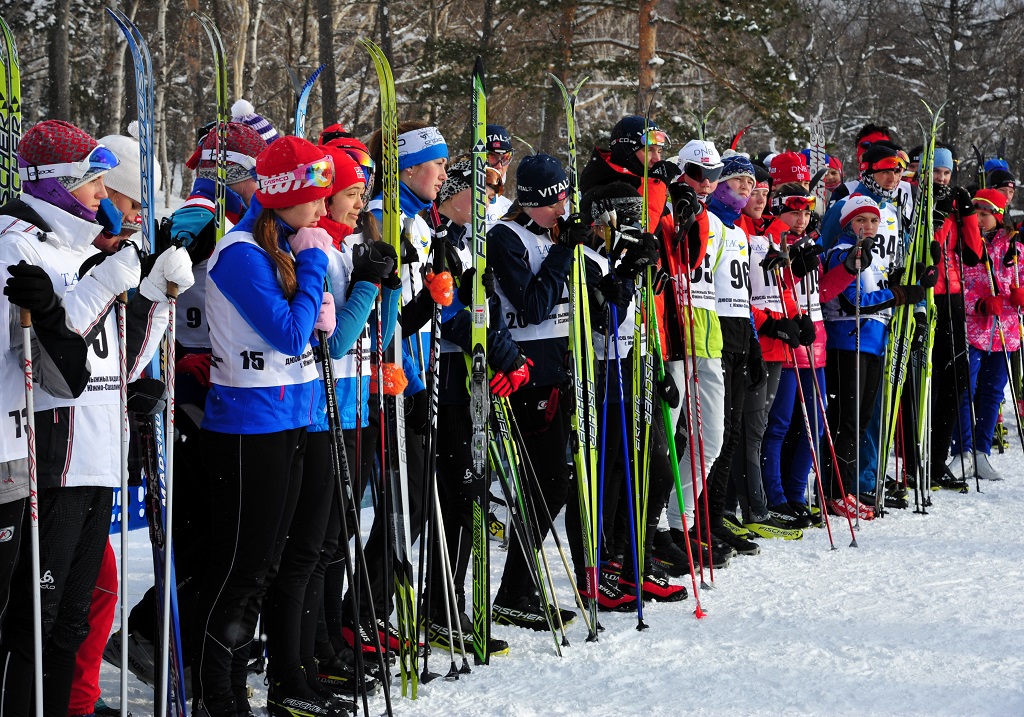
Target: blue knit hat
point(540, 181)
point(736, 165)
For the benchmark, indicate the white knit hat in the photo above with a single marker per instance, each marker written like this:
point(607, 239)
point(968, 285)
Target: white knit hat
point(126, 177)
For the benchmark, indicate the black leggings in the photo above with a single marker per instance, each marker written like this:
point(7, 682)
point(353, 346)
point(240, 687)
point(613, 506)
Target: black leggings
point(841, 382)
point(949, 376)
point(254, 480)
point(734, 366)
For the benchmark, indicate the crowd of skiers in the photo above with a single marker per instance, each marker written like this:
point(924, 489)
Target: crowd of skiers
point(775, 319)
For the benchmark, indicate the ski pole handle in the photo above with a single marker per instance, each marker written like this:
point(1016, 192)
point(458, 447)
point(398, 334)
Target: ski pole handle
point(172, 290)
point(26, 318)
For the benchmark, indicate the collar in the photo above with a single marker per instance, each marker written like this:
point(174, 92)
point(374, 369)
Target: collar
point(523, 220)
point(65, 228)
point(234, 205)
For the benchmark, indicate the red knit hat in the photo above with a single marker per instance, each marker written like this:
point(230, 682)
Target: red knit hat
point(857, 204)
point(55, 142)
point(789, 167)
point(293, 171)
point(346, 171)
point(991, 200)
point(244, 145)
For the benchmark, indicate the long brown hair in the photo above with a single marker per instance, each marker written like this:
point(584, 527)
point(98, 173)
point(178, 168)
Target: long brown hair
point(264, 232)
point(375, 145)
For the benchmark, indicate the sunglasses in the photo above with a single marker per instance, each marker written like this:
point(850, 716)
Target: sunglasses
point(100, 159)
point(315, 174)
point(699, 172)
point(499, 158)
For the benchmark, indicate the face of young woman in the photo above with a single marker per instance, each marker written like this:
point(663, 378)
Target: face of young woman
point(864, 225)
point(942, 175)
point(546, 217)
point(1008, 191)
point(460, 207)
point(986, 220)
point(128, 207)
point(797, 220)
point(425, 179)
point(91, 194)
point(832, 178)
point(303, 215)
point(245, 189)
point(756, 204)
point(346, 204)
point(742, 186)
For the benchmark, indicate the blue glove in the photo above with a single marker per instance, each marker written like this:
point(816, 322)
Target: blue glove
point(109, 217)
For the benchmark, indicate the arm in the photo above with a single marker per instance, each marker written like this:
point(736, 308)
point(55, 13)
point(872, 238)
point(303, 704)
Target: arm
point(248, 278)
point(352, 318)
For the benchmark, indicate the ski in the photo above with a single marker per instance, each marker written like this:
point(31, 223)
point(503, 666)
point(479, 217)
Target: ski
point(302, 101)
point(10, 116)
point(220, 74)
point(479, 400)
point(168, 690)
point(395, 458)
point(818, 162)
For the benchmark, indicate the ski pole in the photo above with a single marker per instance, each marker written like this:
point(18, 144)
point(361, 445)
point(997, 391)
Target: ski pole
point(165, 616)
point(122, 358)
point(33, 509)
point(450, 596)
point(1006, 356)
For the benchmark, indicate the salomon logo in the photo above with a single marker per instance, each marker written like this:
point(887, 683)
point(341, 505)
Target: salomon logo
point(6, 534)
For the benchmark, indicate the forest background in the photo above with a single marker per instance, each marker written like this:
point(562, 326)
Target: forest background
point(773, 65)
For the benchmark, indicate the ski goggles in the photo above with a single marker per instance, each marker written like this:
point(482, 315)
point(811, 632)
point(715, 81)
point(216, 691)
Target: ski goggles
point(499, 158)
point(655, 138)
point(243, 160)
point(700, 172)
point(987, 205)
point(793, 203)
point(315, 174)
point(100, 159)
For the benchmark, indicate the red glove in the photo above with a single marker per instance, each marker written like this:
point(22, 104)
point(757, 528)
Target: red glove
point(505, 384)
point(991, 306)
point(197, 366)
point(1017, 296)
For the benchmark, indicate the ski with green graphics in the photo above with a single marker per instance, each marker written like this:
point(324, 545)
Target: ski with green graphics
point(10, 116)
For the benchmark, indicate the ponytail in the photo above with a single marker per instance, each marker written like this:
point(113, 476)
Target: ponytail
point(264, 232)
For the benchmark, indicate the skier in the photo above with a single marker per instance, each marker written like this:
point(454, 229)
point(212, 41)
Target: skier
point(790, 167)
point(993, 297)
point(265, 297)
point(499, 156)
point(53, 227)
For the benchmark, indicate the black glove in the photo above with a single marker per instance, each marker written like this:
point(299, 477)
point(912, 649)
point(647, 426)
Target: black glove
point(935, 249)
point(920, 329)
point(807, 331)
point(668, 391)
point(465, 291)
point(943, 203)
point(638, 257)
point(757, 371)
point(368, 264)
point(785, 330)
point(927, 276)
point(392, 281)
point(664, 170)
point(813, 224)
point(773, 259)
point(30, 288)
point(610, 288)
point(962, 202)
point(1012, 253)
point(803, 256)
point(416, 413)
point(864, 246)
point(684, 202)
point(907, 295)
point(147, 396)
point(573, 231)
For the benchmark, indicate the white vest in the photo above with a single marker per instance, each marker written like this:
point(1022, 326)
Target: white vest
point(873, 277)
point(625, 342)
point(889, 245)
point(339, 269)
point(732, 277)
point(764, 290)
point(702, 279)
point(809, 288)
point(241, 357)
point(466, 258)
point(13, 445)
point(556, 324)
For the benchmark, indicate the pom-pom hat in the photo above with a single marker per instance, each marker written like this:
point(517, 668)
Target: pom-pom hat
point(54, 149)
point(243, 146)
point(857, 204)
point(293, 171)
point(243, 111)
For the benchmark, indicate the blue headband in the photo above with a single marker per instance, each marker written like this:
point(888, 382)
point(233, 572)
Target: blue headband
point(944, 158)
point(420, 145)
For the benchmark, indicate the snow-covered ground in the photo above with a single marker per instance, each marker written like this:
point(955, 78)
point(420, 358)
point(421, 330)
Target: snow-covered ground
point(923, 618)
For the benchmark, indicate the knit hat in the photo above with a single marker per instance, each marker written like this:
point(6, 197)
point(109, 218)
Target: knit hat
point(245, 113)
point(880, 156)
point(422, 145)
point(944, 158)
point(498, 139)
point(338, 136)
point(619, 198)
point(835, 163)
point(789, 167)
point(460, 177)
point(126, 177)
point(54, 149)
point(736, 165)
point(857, 204)
point(996, 163)
point(540, 181)
point(346, 170)
point(293, 171)
point(991, 200)
point(867, 140)
point(1000, 178)
point(244, 145)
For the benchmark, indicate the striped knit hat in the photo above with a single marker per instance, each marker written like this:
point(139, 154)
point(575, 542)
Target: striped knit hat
point(243, 111)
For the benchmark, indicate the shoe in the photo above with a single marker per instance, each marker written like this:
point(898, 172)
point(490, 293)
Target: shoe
point(718, 556)
point(896, 499)
point(785, 515)
point(984, 469)
point(770, 528)
point(811, 513)
point(102, 709)
point(305, 704)
point(850, 508)
point(733, 523)
point(741, 545)
point(338, 674)
point(610, 596)
point(525, 611)
point(656, 587)
point(440, 638)
point(142, 656)
point(950, 481)
point(384, 632)
point(669, 556)
point(963, 470)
